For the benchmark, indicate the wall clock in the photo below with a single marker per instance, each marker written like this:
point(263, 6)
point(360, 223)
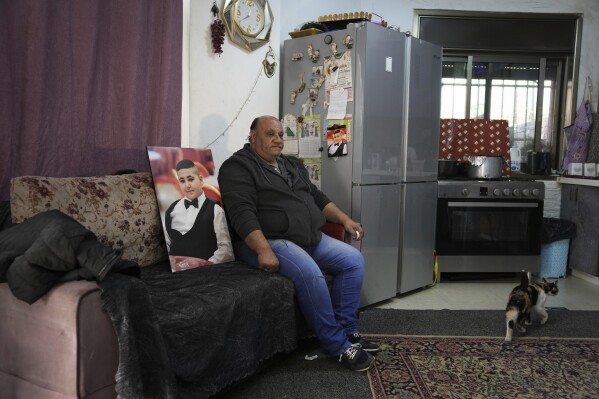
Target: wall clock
point(248, 22)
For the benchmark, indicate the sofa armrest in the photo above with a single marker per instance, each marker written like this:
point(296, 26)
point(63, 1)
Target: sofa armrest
point(334, 230)
point(63, 345)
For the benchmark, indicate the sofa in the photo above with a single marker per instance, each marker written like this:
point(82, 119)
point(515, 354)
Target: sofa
point(192, 333)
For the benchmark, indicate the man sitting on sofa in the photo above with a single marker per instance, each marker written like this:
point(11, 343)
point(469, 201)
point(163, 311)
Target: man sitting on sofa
point(278, 214)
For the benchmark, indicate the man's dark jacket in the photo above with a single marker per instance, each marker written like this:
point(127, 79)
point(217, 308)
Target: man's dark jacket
point(258, 198)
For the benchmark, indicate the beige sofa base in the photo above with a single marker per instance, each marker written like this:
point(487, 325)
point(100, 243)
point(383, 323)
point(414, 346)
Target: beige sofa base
point(61, 346)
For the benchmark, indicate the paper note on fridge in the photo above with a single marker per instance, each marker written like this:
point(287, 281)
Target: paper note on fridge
point(337, 104)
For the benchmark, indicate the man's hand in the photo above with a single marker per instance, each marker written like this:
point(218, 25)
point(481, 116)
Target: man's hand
point(268, 261)
point(354, 229)
point(333, 214)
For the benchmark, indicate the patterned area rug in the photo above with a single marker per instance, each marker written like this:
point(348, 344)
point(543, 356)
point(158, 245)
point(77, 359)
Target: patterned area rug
point(484, 367)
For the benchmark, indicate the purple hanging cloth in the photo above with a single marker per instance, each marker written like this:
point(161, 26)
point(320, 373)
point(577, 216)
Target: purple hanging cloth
point(578, 134)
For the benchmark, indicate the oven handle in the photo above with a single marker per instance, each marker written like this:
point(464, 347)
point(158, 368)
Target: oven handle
point(486, 204)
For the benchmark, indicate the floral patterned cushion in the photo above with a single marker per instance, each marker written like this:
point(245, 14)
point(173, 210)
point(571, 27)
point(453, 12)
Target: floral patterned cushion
point(121, 210)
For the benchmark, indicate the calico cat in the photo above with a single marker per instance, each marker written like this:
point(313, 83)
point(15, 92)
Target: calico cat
point(524, 299)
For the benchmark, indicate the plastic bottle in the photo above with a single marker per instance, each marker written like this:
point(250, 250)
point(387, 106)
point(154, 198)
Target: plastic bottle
point(515, 158)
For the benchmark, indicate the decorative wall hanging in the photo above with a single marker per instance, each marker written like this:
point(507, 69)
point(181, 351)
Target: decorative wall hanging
point(217, 28)
point(313, 54)
point(269, 63)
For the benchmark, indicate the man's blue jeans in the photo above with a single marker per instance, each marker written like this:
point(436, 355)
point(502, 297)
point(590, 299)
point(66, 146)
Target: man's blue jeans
point(332, 316)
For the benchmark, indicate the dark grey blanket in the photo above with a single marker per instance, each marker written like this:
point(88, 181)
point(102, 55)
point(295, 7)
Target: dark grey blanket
point(193, 333)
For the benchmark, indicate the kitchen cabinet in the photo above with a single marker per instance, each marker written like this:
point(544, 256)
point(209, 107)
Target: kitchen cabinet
point(579, 205)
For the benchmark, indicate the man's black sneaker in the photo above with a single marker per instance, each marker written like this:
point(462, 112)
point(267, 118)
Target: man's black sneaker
point(356, 359)
point(357, 340)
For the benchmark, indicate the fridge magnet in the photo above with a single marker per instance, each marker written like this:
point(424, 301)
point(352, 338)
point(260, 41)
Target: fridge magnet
point(347, 121)
point(348, 41)
point(310, 127)
point(310, 143)
point(313, 54)
point(328, 39)
point(290, 126)
point(338, 74)
point(269, 63)
point(313, 166)
point(293, 97)
point(302, 85)
point(297, 56)
point(334, 52)
point(317, 77)
point(313, 95)
point(336, 141)
point(291, 147)
point(308, 106)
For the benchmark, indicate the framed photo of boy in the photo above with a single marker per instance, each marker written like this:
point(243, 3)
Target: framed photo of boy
point(193, 221)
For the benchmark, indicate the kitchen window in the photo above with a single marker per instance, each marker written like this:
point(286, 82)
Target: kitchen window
point(486, 88)
point(524, 74)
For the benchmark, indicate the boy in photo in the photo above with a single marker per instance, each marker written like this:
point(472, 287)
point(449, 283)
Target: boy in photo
point(196, 225)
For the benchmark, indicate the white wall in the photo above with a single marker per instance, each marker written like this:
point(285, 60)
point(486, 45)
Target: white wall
point(218, 86)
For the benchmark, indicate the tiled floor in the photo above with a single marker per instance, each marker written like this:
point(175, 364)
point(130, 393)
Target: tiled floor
point(575, 294)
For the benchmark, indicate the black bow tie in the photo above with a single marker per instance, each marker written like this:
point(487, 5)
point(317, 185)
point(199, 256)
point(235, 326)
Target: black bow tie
point(188, 203)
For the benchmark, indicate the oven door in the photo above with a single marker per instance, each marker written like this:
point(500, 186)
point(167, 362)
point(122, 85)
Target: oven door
point(489, 227)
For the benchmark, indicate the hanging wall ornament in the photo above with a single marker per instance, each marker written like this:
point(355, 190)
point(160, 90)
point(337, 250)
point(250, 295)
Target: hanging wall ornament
point(217, 28)
point(269, 63)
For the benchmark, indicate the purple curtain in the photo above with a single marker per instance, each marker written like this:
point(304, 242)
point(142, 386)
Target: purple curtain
point(85, 86)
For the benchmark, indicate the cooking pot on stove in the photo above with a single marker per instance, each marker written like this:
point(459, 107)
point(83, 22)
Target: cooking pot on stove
point(448, 168)
point(483, 167)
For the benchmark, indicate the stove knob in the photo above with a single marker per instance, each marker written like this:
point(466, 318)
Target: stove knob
point(525, 192)
point(464, 192)
point(516, 192)
point(535, 192)
point(506, 192)
point(497, 192)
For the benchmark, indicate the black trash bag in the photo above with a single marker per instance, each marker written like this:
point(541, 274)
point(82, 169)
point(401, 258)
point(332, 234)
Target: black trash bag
point(555, 229)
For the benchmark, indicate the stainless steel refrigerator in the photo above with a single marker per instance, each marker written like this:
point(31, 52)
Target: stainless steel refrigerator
point(388, 179)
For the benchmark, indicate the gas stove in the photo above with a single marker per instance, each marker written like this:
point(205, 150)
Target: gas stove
point(501, 189)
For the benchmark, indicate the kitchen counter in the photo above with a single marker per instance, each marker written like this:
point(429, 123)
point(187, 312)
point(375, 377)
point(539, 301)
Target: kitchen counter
point(581, 181)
